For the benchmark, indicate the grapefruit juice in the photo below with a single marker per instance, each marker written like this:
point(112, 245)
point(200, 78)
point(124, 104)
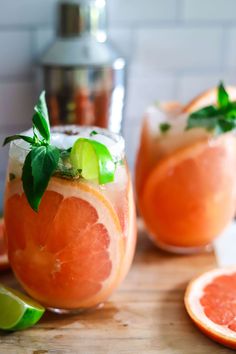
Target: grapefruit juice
point(185, 182)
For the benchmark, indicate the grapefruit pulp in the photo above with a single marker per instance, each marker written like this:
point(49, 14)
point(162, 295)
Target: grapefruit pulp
point(71, 254)
point(210, 302)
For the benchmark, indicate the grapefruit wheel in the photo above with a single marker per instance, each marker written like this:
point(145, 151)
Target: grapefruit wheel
point(70, 254)
point(4, 264)
point(210, 302)
point(191, 185)
point(207, 98)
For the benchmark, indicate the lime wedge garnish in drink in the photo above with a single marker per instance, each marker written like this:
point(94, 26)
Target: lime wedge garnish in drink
point(93, 159)
point(17, 311)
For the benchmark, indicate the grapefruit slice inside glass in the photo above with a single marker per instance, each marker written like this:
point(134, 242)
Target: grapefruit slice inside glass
point(4, 264)
point(189, 196)
point(69, 255)
point(210, 302)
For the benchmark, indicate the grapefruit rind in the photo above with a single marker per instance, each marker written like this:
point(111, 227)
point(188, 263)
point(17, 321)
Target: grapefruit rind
point(193, 294)
point(206, 98)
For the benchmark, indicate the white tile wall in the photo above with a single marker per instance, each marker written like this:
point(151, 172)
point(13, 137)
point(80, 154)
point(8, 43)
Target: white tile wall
point(231, 49)
point(192, 85)
point(27, 12)
point(209, 10)
point(15, 53)
point(179, 47)
point(16, 104)
point(136, 12)
point(175, 49)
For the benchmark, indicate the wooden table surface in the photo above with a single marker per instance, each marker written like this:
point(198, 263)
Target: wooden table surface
point(146, 315)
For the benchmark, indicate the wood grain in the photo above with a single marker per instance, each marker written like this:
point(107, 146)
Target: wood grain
point(146, 315)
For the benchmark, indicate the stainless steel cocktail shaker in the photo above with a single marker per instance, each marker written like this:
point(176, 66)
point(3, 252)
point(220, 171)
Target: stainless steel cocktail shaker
point(84, 76)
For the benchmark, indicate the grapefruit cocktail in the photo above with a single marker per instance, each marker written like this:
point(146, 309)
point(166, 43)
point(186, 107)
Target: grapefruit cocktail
point(69, 215)
point(185, 172)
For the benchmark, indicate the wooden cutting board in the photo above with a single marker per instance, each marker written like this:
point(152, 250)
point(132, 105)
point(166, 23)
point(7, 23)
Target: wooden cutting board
point(146, 315)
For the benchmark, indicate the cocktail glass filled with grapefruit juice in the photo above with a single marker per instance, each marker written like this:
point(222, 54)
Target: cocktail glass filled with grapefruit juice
point(69, 215)
point(185, 171)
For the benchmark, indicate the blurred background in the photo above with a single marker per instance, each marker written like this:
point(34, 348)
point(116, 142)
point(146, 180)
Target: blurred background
point(175, 49)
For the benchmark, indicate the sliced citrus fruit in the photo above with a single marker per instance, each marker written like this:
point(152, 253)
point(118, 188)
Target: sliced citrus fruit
point(189, 196)
point(69, 254)
point(207, 98)
point(210, 302)
point(17, 311)
point(4, 264)
point(93, 159)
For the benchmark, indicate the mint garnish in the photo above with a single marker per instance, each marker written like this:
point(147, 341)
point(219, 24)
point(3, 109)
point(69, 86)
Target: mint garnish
point(164, 127)
point(219, 118)
point(43, 158)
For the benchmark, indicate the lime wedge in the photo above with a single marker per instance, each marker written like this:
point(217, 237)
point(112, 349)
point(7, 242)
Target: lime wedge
point(93, 159)
point(17, 311)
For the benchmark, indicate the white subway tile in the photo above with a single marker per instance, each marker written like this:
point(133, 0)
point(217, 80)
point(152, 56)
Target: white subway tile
point(144, 90)
point(43, 38)
point(179, 48)
point(3, 154)
point(15, 53)
point(27, 12)
point(192, 85)
point(16, 104)
point(231, 52)
point(132, 137)
point(139, 11)
point(122, 40)
point(208, 10)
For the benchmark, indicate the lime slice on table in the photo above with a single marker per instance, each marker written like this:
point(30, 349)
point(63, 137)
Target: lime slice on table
point(17, 311)
point(93, 159)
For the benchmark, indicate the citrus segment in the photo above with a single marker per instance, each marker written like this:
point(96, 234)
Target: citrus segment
point(69, 254)
point(4, 264)
point(207, 98)
point(17, 311)
point(210, 302)
point(194, 183)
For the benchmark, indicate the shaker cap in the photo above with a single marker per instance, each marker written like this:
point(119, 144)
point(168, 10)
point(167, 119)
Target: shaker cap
point(80, 17)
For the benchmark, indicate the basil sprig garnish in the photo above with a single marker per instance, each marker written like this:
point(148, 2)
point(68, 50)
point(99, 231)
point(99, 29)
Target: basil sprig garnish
point(42, 160)
point(219, 118)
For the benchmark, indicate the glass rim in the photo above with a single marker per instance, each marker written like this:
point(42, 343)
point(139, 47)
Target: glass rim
point(118, 146)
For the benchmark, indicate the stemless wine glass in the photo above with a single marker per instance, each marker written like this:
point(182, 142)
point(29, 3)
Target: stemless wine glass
point(185, 182)
point(73, 253)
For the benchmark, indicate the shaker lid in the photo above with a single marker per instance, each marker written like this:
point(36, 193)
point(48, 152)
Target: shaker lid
point(78, 17)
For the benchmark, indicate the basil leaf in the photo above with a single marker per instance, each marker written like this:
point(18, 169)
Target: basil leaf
point(41, 119)
point(93, 132)
point(226, 125)
point(28, 139)
point(222, 96)
point(40, 164)
point(202, 122)
point(206, 112)
point(28, 183)
point(164, 127)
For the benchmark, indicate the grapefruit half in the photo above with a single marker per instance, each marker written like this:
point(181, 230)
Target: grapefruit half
point(210, 301)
